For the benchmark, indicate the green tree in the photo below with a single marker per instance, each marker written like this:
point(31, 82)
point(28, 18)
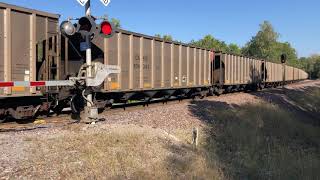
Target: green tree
point(311, 65)
point(316, 69)
point(289, 51)
point(209, 42)
point(166, 37)
point(234, 49)
point(116, 22)
point(157, 35)
point(263, 44)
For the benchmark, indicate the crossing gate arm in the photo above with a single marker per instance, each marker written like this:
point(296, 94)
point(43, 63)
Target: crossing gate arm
point(102, 71)
point(37, 83)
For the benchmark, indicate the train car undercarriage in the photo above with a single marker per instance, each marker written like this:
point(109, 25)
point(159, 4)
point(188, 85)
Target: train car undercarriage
point(21, 108)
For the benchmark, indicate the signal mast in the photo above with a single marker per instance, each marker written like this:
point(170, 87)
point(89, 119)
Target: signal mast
point(88, 28)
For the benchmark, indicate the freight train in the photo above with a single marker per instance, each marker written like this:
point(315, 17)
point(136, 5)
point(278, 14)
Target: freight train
point(33, 50)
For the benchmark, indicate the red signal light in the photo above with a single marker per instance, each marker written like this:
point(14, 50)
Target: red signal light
point(107, 29)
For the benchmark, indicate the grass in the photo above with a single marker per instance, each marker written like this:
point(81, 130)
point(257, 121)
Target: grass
point(308, 100)
point(127, 152)
point(263, 141)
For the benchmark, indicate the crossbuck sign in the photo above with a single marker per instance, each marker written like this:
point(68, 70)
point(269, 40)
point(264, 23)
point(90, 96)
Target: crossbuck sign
point(83, 2)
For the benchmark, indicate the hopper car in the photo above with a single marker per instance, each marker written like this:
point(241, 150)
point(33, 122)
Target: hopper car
point(32, 49)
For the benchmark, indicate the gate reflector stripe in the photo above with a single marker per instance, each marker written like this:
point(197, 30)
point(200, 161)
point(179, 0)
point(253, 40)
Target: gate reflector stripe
point(37, 83)
point(22, 83)
point(6, 84)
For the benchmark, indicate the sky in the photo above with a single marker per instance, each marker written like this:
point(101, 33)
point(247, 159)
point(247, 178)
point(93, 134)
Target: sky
point(232, 21)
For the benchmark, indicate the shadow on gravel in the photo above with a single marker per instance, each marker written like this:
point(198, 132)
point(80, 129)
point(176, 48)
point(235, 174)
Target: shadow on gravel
point(277, 140)
point(304, 102)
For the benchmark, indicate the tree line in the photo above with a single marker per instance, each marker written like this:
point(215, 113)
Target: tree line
point(264, 45)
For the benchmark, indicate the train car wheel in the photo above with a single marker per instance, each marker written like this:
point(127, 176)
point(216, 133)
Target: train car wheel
point(58, 108)
point(211, 92)
point(77, 104)
point(218, 92)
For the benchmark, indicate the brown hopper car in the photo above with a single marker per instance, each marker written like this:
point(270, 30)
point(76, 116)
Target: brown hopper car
point(33, 49)
point(28, 43)
point(239, 71)
point(149, 65)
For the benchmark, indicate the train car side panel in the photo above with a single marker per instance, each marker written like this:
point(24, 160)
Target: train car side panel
point(242, 70)
point(268, 67)
point(247, 76)
point(288, 73)
point(157, 65)
point(197, 66)
point(176, 67)
point(191, 67)
point(232, 69)
point(20, 67)
point(225, 59)
point(112, 59)
point(237, 69)
point(125, 61)
point(137, 59)
point(1, 47)
point(202, 67)
point(296, 74)
point(24, 35)
point(167, 65)
point(147, 63)
point(184, 66)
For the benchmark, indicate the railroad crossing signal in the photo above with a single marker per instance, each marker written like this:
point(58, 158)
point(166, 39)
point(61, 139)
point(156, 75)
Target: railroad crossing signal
point(84, 2)
point(105, 2)
point(68, 28)
point(283, 58)
point(106, 29)
point(87, 26)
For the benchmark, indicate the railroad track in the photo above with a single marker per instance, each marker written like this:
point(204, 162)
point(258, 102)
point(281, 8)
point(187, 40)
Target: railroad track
point(39, 123)
point(65, 119)
point(45, 122)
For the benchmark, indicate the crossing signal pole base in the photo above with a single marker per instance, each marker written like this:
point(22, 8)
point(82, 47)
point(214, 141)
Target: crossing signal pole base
point(91, 114)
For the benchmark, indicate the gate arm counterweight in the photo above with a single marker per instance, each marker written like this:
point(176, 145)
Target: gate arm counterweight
point(102, 71)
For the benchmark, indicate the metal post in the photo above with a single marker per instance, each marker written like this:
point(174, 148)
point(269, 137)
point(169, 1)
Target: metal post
point(283, 61)
point(91, 111)
point(88, 9)
point(283, 74)
point(88, 54)
point(89, 68)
